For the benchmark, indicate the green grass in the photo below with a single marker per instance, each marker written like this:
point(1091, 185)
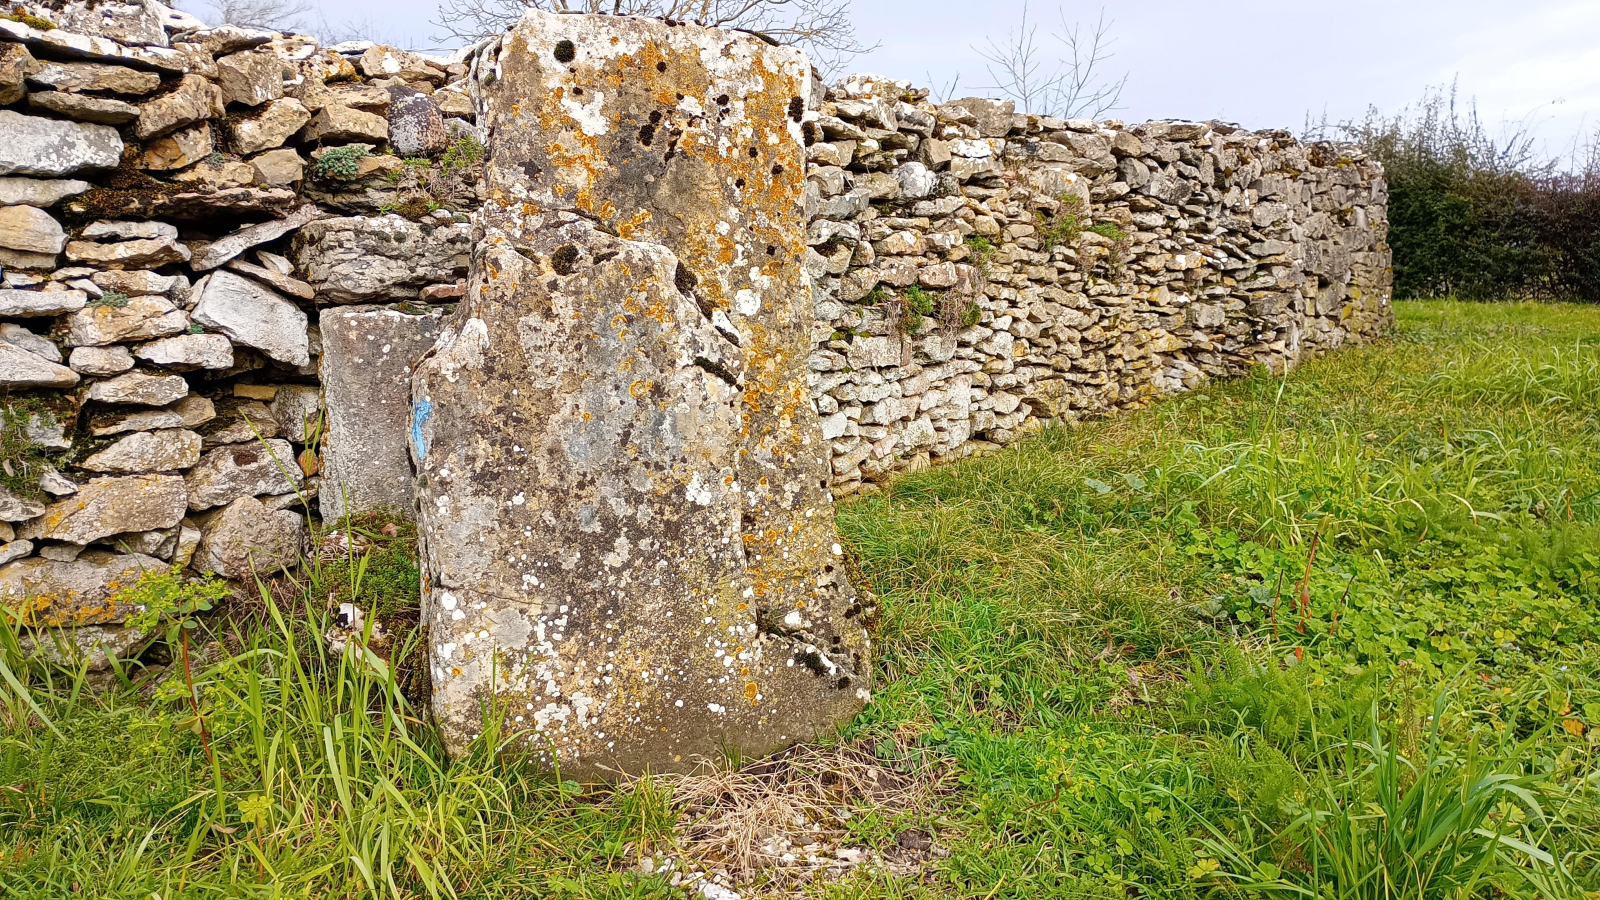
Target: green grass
point(1335, 635)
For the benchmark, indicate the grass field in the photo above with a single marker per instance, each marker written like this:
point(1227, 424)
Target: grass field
point(1335, 635)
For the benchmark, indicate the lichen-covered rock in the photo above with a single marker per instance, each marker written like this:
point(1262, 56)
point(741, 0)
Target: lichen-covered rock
point(367, 357)
point(27, 304)
point(146, 254)
point(220, 251)
point(86, 76)
point(247, 539)
point(16, 65)
point(147, 451)
point(103, 110)
point(276, 124)
point(252, 314)
point(20, 368)
point(342, 123)
point(139, 388)
point(297, 408)
point(92, 646)
point(623, 497)
point(356, 259)
point(186, 352)
point(138, 319)
point(35, 145)
point(256, 469)
point(194, 100)
point(22, 338)
point(84, 591)
point(15, 507)
point(107, 506)
point(40, 192)
point(123, 21)
point(416, 126)
point(253, 77)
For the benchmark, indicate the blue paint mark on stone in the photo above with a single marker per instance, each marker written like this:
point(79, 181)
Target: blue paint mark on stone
point(421, 411)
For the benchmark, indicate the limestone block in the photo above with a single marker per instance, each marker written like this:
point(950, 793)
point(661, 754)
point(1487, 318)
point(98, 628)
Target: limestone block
point(22, 369)
point(194, 100)
point(342, 123)
point(252, 77)
point(252, 314)
point(186, 352)
point(103, 110)
point(16, 64)
point(86, 76)
point(15, 304)
point(37, 344)
point(147, 254)
point(107, 506)
point(100, 360)
point(416, 126)
point(357, 259)
point(276, 124)
point(622, 478)
point(30, 229)
point(86, 645)
point(38, 191)
point(35, 145)
point(367, 357)
point(247, 539)
point(139, 319)
point(140, 388)
point(83, 591)
point(148, 451)
point(183, 147)
point(256, 469)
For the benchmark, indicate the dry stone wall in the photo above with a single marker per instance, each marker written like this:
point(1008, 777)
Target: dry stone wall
point(224, 252)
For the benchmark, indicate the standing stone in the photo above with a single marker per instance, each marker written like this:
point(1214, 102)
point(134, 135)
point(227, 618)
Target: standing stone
point(367, 357)
point(622, 481)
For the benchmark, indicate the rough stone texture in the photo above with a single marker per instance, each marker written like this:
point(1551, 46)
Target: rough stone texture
point(187, 352)
point(246, 538)
point(276, 124)
point(20, 337)
point(132, 22)
point(297, 408)
point(128, 254)
point(341, 123)
point(251, 78)
point(616, 431)
point(181, 148)
point(100, 360)
point(20, 368)
point(218, 252)
point(35, 145)
point(91, 645)
point(367, 357)
point(81, 592)
point(356, 259)
point(84, 76)
point(227, 473)
point(30, 230)
point(107, 229)
point(31, 304)
point(102, 110)
point(107, 506)
point(16, 508)
point(16, 64)
point(416, 126)
point(140, 389)
point(140, 319)
point(194, 100)
point(39, 192)
point(148, 451)
point(253, 315)
point(279, 167)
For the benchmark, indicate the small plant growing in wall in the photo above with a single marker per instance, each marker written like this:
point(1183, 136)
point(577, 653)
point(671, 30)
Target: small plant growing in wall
point(172, 602)
point(340, 163)
point(112, 299)
point(1062, 227)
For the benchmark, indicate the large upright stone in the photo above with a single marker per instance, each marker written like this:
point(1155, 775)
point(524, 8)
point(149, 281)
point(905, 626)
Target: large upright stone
point(367, 356)
point(622, 481)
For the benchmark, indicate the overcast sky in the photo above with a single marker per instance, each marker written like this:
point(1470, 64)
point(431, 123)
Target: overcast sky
point(1263, 63)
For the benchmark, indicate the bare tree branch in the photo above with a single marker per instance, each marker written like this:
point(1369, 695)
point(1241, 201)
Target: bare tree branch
point(1067, 84)
point(269, 15)
point(822, 27)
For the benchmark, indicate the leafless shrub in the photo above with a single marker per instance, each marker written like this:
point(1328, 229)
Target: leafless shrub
point(1066, 81)
point(269, 15)
point(822, 27)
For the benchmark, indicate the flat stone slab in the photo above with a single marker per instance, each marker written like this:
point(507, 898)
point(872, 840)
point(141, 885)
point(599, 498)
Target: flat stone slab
point(367, 357)
point(622, 480)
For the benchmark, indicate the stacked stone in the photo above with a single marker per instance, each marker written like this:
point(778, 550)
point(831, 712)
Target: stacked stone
point(963, 300)
point(181, 271)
